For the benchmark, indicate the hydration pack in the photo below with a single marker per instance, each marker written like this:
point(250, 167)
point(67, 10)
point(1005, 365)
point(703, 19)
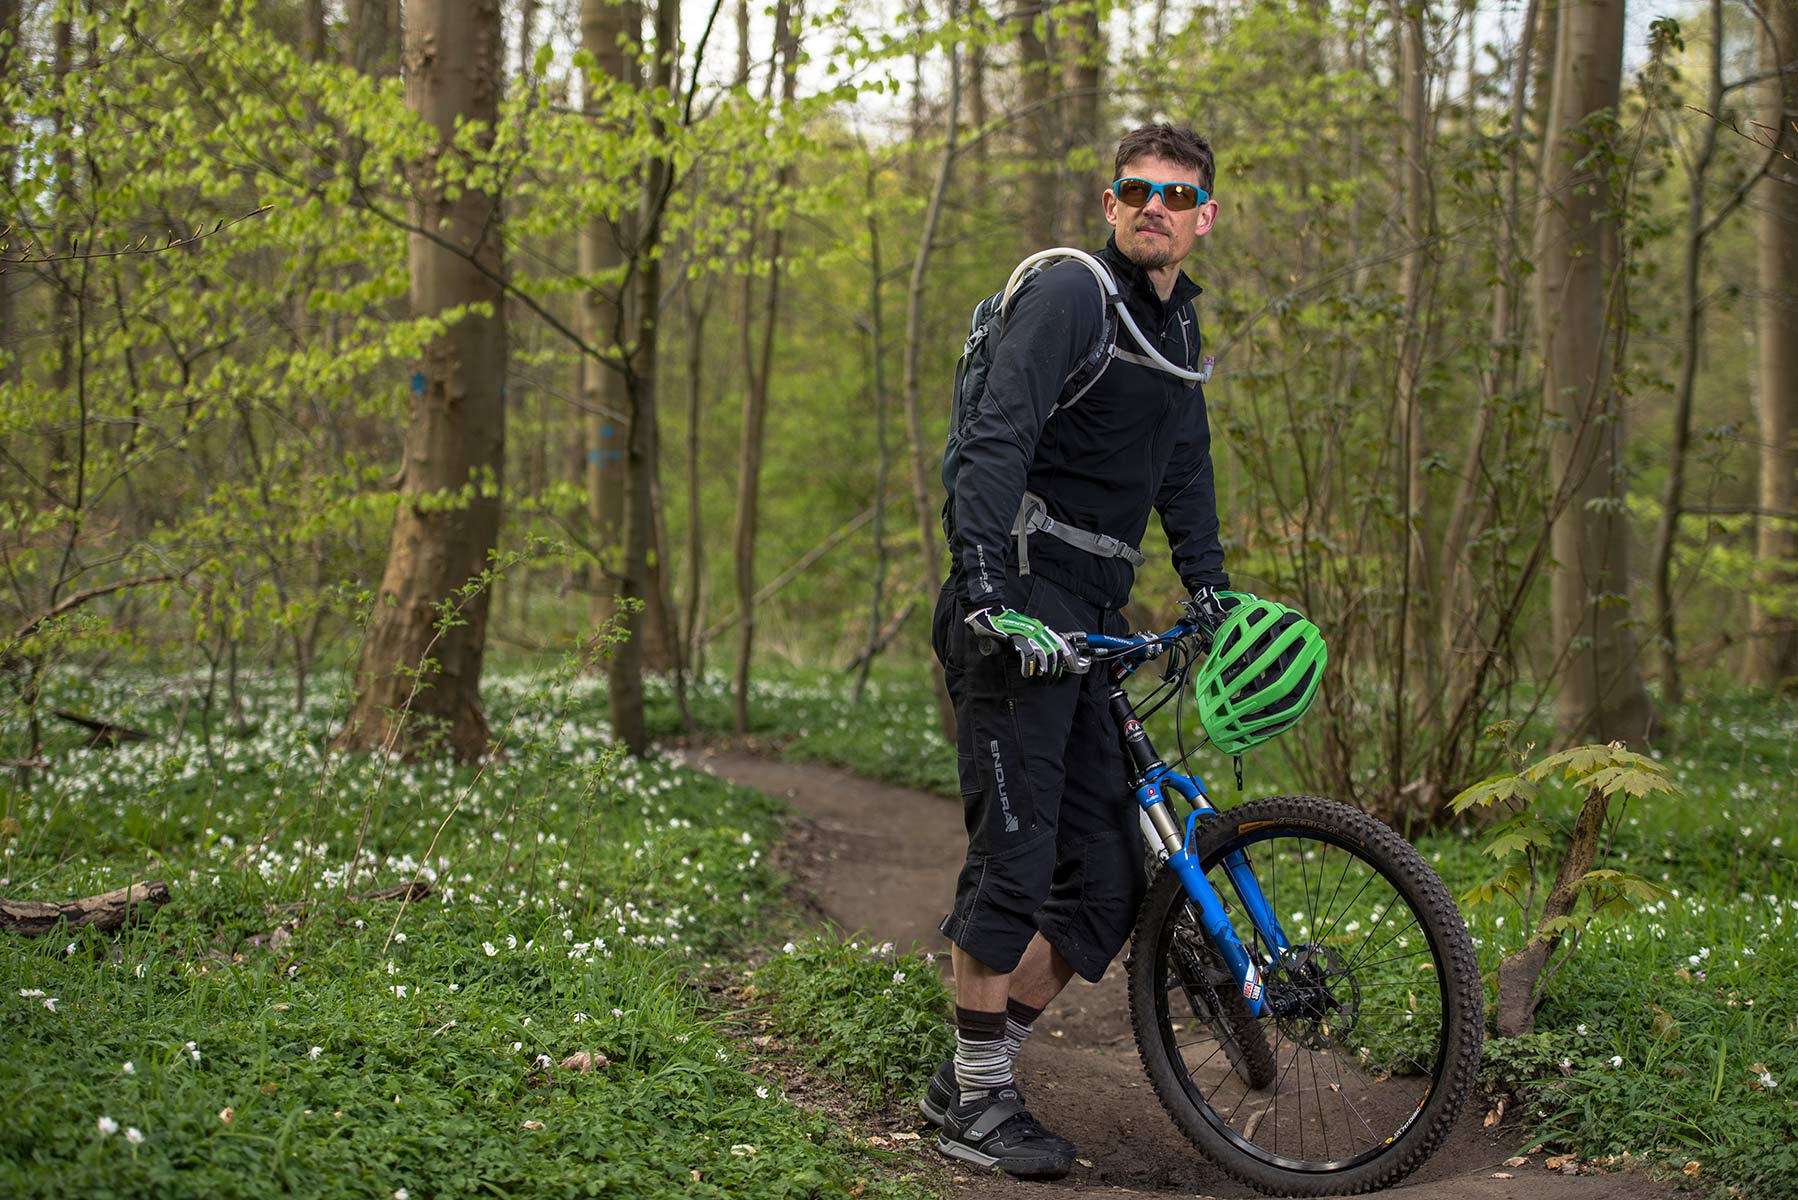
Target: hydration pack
point(977, 360)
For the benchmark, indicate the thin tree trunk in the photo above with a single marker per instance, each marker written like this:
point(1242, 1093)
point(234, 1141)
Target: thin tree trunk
point(417, 682)
point(605, 394)
point(1042, 147)
point(876, 352)
point(312, 30)
point(1415, 645)
point(928, 553)
point(755, 394)
point(1080, 222)
point(1457, 577)
point(1519, 970)
point(372, 36)
point(1691, 262)
point(9, 334)
point(636, 587)
point(1772, 653)
point(1601, 692)
point(696, 322)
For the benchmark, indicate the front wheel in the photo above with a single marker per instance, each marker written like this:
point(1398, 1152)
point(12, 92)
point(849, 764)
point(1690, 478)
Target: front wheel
point(1371, 1020)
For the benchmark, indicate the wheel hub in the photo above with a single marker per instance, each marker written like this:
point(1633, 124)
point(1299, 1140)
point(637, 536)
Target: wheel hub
point(1313, 995)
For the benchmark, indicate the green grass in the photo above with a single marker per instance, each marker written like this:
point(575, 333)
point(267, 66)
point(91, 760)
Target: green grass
point(864, 1016)
point(236, 1047)
point(1671, 1035)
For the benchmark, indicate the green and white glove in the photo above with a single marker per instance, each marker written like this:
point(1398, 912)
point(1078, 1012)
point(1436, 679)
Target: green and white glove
point(1041, 651)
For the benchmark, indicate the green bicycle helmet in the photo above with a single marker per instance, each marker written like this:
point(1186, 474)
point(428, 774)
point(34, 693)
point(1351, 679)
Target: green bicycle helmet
point(1261, 675)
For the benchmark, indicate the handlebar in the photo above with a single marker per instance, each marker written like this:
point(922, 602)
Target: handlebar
point(1090, 648)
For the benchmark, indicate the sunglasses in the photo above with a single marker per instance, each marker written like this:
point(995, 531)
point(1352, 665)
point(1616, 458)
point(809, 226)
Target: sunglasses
point(1177, 196)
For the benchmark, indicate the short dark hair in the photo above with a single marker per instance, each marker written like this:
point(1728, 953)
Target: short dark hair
point(1172, 142)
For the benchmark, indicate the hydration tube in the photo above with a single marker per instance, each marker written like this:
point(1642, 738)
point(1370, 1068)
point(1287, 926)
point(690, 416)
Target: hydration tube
point(1109, 287)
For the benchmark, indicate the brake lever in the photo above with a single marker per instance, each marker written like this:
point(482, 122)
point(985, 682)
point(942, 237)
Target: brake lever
point(1081, 660)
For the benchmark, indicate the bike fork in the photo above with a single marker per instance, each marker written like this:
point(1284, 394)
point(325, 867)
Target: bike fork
point(1174, 847)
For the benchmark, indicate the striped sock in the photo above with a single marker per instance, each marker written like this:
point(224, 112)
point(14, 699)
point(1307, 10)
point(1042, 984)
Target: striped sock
point(982, 1064)
point(1019, 1020)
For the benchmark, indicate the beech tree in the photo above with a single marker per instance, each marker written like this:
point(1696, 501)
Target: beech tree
point(420, 671)
point(1601, 692)
point(1772, 654)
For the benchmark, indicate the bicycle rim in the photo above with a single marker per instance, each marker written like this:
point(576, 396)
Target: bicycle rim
point(1372, 1013)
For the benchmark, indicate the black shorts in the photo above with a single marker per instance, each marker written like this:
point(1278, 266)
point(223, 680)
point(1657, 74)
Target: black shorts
point(1054, 842)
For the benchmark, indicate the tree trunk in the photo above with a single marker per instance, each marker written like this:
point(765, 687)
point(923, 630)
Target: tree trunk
point(638, 585)
point(372, 35)
point(1772, 654)
point(9, 335)
point(1691, 261)
point(876, 352)
point(1042, 147)
point(929, 555)
point(419, 677)
point(1416, 646)
point(755, 389)
point(1601, 693)
point(1080, 221)
point(1454, 607)
point(696, 322)
point(312, 30)
point(605, 396)
point(1519, 971)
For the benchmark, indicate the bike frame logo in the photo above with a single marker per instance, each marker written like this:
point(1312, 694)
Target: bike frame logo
point(1011, 822)
point(1251, 987)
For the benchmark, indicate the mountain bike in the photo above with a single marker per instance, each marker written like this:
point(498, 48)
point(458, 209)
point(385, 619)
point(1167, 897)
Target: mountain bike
point(1302, 987)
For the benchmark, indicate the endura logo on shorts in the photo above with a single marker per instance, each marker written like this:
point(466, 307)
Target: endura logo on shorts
point(1011, 822)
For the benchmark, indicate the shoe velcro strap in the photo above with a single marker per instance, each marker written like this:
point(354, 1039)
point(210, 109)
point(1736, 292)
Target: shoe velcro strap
point(988, 1122)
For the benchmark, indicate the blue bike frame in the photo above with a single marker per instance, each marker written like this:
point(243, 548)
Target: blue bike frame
point(1152, 780)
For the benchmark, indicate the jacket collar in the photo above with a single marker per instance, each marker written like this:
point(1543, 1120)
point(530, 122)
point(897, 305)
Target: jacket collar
point(1134, 282)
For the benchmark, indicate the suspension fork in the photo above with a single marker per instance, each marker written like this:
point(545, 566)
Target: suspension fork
point(1151, 780)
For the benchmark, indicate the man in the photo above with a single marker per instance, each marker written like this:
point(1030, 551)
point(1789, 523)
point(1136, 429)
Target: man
point(1054, 873)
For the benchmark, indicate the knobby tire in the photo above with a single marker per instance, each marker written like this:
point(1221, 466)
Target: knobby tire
point(1369, 1040)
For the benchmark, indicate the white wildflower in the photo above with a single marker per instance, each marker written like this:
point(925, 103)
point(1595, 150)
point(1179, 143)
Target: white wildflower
point(488, 947)
point(129, 1069)
point(315, 1052)
point(107, 1126)
point(134, 1135)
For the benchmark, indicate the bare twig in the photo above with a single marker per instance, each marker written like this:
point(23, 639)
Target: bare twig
point(141, 246)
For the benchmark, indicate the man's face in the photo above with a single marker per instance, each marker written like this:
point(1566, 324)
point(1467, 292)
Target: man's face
point(1151, 236)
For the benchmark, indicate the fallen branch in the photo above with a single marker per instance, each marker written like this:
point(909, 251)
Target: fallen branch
point(416, 890)
point(108, 910)
point(105, 733)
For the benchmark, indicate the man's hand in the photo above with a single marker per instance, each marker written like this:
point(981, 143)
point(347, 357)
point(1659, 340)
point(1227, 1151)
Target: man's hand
point(1209, 609)
point(1041, 651)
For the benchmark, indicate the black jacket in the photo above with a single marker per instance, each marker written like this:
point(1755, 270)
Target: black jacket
point(1138, 438)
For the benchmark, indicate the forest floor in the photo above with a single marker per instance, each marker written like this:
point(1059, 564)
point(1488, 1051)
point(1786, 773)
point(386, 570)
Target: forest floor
point(882, 859)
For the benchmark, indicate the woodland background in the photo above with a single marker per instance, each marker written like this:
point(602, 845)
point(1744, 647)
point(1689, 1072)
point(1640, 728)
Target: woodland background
point(350, 343)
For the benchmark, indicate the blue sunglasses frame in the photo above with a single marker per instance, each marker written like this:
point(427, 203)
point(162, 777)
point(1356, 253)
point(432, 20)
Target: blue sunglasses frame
point(1159, 189)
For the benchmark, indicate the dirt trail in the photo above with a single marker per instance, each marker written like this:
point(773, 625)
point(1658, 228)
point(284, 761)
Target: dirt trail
point(883, 859)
